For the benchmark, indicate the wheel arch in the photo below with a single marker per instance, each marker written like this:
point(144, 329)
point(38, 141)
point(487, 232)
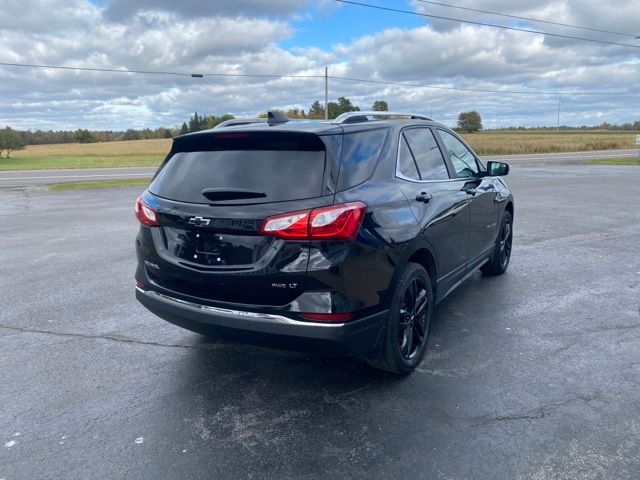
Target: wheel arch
point(509, 208)
point(425, 257)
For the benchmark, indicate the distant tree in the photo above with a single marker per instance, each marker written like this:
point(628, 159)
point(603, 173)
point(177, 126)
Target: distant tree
point(197, 122)
point(334, 110)
point(316, 110)
point(132, 135)
point(84, 136)
point(636, 125)
point(213, 121)
point(184, 129)
point(166, 133)
point(469, 121)
point(346, 105)
point(295, 113)
point(11, 140)
point(342, 106)
point(380, 106)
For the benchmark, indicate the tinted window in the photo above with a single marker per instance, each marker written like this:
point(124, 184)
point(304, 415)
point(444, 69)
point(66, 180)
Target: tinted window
point(360, 153)
point(427, 154)
point(406, 164)
point(464, 163)
point(283, 167)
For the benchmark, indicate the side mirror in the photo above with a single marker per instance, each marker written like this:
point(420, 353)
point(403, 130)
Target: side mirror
point(497, 169)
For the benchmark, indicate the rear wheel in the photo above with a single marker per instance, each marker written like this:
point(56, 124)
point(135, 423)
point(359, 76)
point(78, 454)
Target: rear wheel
point(410, 314)
point(499, 260)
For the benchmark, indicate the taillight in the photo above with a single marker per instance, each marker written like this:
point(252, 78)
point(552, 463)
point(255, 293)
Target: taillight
point(145, 214)
point(336, 222)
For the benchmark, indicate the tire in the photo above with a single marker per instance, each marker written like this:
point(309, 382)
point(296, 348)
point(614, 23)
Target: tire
point(501, 255)
point(404, 347)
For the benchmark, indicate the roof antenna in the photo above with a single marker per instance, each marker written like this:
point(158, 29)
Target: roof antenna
point(276, 118)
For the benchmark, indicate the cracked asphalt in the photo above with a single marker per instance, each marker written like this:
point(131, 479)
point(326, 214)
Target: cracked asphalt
point(531, 375)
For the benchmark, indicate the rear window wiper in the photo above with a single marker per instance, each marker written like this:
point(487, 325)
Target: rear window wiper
point(230, 193)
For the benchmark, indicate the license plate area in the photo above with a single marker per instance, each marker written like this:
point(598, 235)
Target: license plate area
point(212, 249)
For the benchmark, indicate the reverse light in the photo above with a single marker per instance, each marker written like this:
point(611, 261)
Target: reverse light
point(146, 215)
point(327, 317)
point(335, 222)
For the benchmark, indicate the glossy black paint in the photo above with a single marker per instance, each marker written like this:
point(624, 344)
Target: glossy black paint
point(449, 226)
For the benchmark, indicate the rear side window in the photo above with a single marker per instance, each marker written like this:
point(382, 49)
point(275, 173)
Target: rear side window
point(426, 153)
point(273, 166)
point(406, 164)
point(360, 153)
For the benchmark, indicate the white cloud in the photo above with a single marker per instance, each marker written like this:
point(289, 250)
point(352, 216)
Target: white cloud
point(243, 37)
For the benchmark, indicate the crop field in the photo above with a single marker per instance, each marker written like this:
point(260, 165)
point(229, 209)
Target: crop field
point(151, 152)
point(511, 143)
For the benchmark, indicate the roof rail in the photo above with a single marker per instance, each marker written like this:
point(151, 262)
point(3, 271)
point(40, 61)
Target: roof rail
point(239, 121)
point(357, 117)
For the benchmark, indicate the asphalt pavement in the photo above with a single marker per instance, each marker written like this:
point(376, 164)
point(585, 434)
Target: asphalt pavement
point(46, 177)
point(531, 375)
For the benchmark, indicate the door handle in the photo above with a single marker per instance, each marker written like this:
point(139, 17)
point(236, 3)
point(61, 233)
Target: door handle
point(424, 197)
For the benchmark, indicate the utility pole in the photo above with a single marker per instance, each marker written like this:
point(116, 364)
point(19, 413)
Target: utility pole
point(558, 124)
point(326, 93)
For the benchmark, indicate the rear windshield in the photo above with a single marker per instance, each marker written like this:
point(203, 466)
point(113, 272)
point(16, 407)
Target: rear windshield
point(273, 166)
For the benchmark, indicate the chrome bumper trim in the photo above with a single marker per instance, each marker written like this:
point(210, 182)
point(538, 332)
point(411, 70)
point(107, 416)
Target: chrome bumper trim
point(230, 313)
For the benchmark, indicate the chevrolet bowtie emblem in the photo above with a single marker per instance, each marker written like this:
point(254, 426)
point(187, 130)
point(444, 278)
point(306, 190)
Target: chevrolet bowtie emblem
point(199, 221)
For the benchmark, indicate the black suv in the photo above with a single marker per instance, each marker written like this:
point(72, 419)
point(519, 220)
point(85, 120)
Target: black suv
point(345, 233)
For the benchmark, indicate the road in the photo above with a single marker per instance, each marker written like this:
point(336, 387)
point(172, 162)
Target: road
point(45, 177)
point(530, 375)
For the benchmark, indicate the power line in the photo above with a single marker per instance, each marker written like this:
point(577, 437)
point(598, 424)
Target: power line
point(155, 72)
point(311, 76)
point(95, 69)
point(477, 10)
point(478, 90)
point(483, 24)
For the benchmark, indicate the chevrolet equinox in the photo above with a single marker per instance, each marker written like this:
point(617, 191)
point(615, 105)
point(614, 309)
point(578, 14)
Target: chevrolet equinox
point(341, 233)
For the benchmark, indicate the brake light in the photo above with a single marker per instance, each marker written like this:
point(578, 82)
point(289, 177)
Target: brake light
point(336, 222)
point(327, 317)
point(145, 214)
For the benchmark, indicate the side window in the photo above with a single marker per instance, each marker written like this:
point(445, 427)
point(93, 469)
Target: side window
point(360, 153)
point(406, 163)
point(464, 163)
point(426, 153)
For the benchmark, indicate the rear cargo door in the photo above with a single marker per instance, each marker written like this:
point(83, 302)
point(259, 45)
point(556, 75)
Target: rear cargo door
point(212, 195)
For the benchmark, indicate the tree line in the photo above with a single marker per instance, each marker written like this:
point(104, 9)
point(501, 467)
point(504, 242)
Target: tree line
point(11, 139)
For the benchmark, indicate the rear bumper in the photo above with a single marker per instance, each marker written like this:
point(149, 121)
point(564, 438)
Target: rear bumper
point(362, 337)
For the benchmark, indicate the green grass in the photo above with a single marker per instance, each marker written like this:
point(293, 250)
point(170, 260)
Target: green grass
point(130, 182)
point(78, 161)
point(616, 161)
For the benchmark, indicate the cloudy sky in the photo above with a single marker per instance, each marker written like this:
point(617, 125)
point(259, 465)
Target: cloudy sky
point(301, 37)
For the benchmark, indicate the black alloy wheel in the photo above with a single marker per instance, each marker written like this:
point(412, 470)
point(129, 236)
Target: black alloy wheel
point(501, 255)
point(410, 313)
point(413, 315)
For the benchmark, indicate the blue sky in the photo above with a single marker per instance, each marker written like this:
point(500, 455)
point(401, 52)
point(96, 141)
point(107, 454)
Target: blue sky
point(326, 27)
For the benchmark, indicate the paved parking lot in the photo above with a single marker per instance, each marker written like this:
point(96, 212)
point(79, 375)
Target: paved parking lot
point(534, 374)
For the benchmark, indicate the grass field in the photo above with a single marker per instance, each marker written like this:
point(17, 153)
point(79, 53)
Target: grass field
point(616, 161)
point(151, 152)
point(131, 182)
point(80, 161)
